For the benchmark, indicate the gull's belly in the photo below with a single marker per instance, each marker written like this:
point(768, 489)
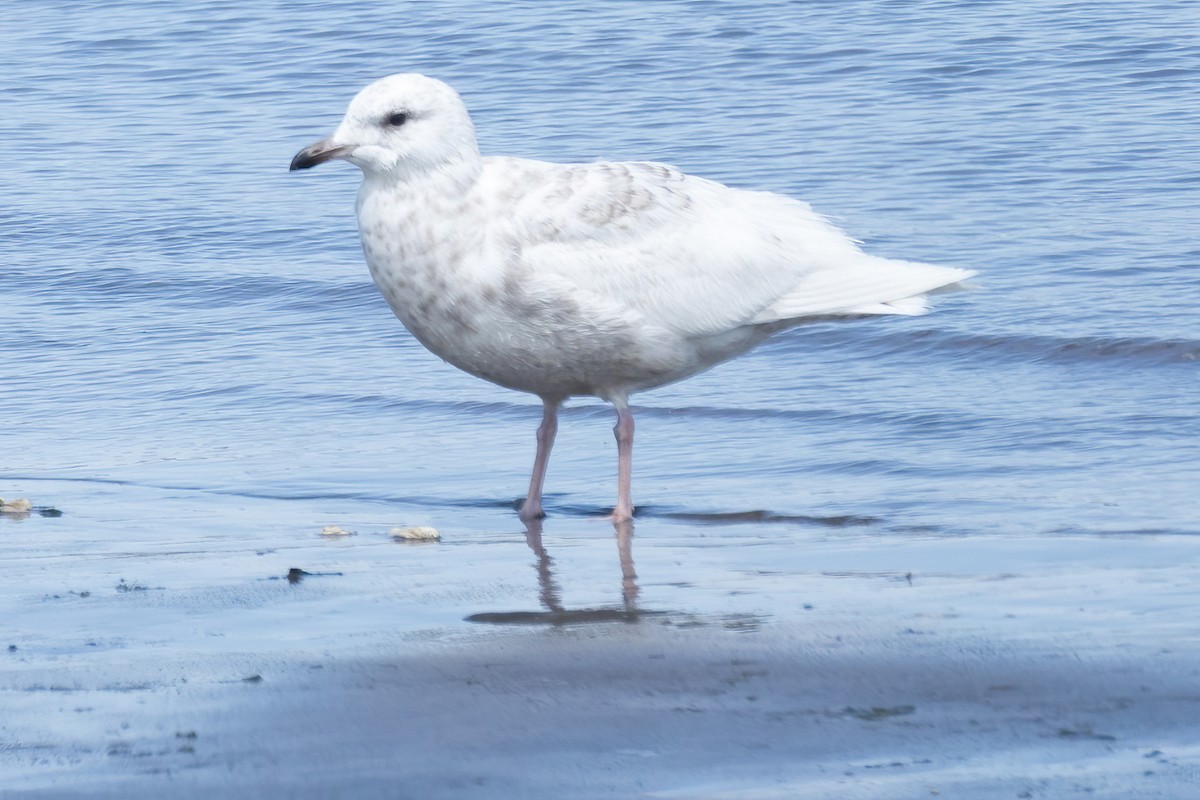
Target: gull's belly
point(551, 347)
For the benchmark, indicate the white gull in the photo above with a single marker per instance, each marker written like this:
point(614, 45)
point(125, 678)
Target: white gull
point(597, 279)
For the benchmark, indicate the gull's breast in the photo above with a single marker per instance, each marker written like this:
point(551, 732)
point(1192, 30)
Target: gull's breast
point(466, 300)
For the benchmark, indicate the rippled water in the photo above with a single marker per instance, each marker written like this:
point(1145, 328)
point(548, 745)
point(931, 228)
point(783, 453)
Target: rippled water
point(177, 309)
point(182, 321)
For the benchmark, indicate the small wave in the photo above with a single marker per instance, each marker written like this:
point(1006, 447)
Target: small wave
point(1163, 72)
point(556, 509)
point(124, 284)
point(449, 408)
point(1120, 531)
point(736, 517)
point(710, 517)
point(1146, 351)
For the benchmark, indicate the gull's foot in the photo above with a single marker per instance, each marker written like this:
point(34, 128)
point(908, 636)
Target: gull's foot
point(529, 512)
point(621, 515)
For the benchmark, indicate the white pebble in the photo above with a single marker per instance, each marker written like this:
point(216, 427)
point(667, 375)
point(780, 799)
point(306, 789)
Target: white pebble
point(415, 533)
point(21, 506)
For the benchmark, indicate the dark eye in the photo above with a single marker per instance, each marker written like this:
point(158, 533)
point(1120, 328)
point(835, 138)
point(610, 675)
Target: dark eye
point(397, 118)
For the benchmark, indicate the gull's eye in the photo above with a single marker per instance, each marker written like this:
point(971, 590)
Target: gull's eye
point(397, 118)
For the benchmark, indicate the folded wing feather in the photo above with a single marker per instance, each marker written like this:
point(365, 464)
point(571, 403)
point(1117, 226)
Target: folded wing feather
point(700, 258)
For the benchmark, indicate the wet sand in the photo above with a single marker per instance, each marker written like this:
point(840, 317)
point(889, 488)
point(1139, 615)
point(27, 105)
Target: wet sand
point(688, 660)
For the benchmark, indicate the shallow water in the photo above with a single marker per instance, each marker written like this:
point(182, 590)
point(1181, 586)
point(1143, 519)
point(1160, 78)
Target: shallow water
point(196, 370)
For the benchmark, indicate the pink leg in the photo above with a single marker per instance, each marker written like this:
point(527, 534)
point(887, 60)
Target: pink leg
point(624, 432)
point(532, 508)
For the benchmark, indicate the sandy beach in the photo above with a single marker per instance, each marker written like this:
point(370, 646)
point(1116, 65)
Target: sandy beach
point(145, 665)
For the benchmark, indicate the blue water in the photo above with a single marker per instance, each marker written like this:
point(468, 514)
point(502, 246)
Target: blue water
point(177, 310)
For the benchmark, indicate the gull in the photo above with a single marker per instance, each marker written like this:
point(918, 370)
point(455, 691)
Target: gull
point(599, 279)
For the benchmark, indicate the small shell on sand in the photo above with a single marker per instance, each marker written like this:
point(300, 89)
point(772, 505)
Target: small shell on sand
point(415, 533)
point(335, 531)
point(21, 506)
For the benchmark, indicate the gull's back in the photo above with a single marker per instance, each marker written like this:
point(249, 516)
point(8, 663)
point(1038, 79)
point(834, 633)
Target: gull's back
point(688, 254)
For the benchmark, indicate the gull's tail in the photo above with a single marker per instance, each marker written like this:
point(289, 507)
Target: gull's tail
point(870, 285)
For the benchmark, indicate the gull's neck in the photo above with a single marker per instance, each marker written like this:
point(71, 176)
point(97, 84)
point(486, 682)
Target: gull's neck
point(446, 179)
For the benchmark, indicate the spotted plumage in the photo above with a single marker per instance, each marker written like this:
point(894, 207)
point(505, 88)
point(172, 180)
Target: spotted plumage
point(586, 279)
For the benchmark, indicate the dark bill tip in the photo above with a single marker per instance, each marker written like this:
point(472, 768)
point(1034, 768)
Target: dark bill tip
point(315, 154)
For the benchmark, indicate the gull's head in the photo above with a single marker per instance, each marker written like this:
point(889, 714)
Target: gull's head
point(403, 125)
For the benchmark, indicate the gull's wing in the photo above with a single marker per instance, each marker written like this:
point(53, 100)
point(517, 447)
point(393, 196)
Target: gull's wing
point(689, 254)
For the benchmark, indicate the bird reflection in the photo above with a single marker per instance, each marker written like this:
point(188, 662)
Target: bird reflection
point(629, 587)
point(550, 593)
point(548, 589)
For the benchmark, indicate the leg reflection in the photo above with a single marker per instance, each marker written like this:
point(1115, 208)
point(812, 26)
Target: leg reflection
point(548, 589)
point(550, 593)
point(629, 587)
